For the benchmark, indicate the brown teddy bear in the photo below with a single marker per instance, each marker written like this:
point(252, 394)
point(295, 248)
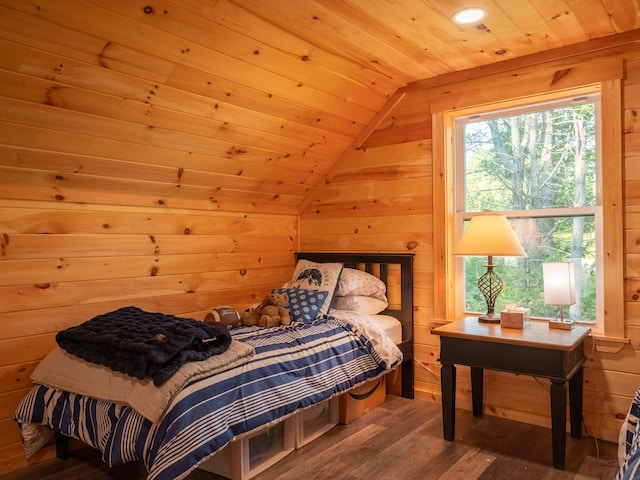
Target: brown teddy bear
point(270, 313)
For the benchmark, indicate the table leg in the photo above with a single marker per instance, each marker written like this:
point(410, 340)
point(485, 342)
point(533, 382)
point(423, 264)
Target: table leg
point(575, 404)
point(448, 386)
point(477, 390)
point(558, 421)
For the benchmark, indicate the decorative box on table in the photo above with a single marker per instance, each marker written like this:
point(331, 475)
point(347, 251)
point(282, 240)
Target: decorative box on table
point(247, 457)
point(315, 421)
point(515, 317)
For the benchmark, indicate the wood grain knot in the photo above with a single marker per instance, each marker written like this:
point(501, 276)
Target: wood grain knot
point(559, 75)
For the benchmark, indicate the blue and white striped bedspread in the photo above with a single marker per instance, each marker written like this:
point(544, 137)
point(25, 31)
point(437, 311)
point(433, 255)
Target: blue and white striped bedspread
point(629, 443)
point(293, 367)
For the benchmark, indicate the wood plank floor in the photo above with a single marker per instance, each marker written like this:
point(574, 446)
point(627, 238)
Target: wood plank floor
point(400, 440)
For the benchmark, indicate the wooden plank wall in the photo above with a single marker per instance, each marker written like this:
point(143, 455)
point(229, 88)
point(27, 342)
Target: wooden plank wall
point(381, 201)
point(119, 189)
point(63, 264)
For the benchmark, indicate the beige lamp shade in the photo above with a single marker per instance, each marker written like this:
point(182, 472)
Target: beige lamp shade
point(559, 283)
point(489, 234)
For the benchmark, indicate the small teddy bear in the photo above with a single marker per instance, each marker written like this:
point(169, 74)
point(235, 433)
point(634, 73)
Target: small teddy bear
point(270, 313)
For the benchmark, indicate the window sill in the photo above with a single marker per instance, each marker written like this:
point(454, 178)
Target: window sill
point(607, 344)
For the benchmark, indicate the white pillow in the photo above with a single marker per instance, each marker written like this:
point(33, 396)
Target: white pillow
point(359, 303)
point(310, 275)
point(357, 282)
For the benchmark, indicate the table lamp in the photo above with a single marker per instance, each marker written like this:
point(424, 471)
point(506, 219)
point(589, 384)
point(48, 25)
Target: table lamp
point(559, 289)
point(490, 235)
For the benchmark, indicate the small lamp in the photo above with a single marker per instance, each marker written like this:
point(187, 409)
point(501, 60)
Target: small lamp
point(489, 234)
point(559, 289)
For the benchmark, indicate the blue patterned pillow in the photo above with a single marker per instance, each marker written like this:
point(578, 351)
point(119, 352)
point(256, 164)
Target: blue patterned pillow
point(304, 305)
point(316, 276)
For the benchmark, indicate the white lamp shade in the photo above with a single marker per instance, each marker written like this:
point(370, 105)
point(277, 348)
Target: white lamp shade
point(489, 234)
point(559, 283)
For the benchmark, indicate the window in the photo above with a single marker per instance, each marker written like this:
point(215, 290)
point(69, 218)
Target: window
point(495, 93)
point(538, 164)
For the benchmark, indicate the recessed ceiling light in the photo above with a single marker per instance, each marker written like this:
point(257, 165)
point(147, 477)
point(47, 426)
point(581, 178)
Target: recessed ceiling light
point(469, 15)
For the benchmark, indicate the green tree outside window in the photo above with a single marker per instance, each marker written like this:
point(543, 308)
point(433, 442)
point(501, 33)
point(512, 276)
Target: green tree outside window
point(539, 167)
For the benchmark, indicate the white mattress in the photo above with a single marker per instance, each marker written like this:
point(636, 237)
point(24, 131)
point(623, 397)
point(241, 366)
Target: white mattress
point(391, 326)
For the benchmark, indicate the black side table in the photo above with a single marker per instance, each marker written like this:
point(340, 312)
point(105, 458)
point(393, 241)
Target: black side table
point(535, 350)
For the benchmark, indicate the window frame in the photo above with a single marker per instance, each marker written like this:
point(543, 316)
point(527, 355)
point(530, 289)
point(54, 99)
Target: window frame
point(611, 327)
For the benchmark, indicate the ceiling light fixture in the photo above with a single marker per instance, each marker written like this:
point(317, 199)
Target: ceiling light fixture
point(469, 15)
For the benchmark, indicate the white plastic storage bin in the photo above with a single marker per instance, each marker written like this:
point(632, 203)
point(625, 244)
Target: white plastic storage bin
point(247, 457)
point(316, 420)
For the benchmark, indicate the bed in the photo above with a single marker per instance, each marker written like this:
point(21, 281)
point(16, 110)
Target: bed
point(629, 443)
point(269, 375)
point(403, 309)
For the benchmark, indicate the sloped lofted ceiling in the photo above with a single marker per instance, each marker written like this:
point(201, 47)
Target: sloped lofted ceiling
point(228, 103)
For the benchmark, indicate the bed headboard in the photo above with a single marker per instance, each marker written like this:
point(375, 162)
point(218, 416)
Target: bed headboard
point(381, 265)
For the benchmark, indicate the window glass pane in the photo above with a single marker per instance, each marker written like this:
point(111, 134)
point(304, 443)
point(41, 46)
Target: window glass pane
point(526, 162)
point(547, 239)
point(541, 159)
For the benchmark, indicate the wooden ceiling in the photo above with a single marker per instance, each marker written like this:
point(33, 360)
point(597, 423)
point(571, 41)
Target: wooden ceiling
point(395, 42)
point(239, 102)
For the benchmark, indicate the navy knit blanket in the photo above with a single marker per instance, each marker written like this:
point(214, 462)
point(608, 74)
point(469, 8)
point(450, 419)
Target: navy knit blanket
point(144, 344)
